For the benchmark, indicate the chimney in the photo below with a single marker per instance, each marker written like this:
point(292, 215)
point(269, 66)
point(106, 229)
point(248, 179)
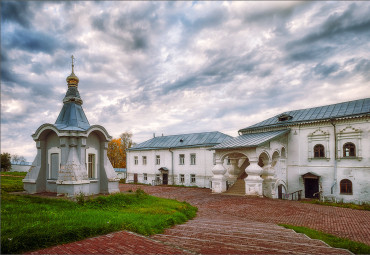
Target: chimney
point(162, 134)
point(153, 135)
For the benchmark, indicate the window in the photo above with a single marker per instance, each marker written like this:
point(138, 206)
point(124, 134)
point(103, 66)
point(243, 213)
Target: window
point(192, 159)
point(157, 159)
point(136, 160)
point(182, 178)
point(144, 160)
point(181, 159)
point(145, 177)
point(228, 161)
point(91, 166)
point(284, 117)
point(192, 178)
point(349, 150)
point(157, 177)
point(319, 151)
point(214, 158)
point(346, 187)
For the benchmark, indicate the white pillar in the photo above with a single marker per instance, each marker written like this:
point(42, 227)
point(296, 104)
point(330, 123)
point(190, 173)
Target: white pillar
point(234, 171)
point(268, 181)
point(219, 179)
point(253, 182)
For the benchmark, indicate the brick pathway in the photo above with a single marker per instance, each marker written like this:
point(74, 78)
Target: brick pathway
point(231, 224)
point(342, 222)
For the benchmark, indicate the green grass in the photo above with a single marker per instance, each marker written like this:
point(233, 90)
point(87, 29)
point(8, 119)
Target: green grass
point(30, 223)
point(23, 174)
point(344, 205)
point(333, 241)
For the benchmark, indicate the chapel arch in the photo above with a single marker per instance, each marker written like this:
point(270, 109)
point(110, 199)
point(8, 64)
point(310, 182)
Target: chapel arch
point(283, 153)
point(263, 159)
point(275, 158)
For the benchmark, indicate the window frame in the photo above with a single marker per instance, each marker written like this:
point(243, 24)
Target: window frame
point(193, 178)
point(157, 159)
point(347, 148)
point(182, 178)
point(91, 166)
point(181, 159)
point(193, 159)
point(144, 159)
point(320, 149)
point(145, 176)
point(136, 160)
point(346, 187)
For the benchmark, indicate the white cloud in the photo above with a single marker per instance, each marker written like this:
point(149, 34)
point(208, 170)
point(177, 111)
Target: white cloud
point(178, 67)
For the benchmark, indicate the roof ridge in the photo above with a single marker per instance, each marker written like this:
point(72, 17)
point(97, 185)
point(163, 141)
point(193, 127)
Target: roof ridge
point(325, 105)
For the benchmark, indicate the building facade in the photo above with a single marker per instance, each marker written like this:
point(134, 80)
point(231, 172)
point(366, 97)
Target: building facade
point(71, 155)
point(321, 151)
point(310, 153)
point(178, 159)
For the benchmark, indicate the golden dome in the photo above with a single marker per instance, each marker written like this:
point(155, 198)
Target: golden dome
point(72, 79)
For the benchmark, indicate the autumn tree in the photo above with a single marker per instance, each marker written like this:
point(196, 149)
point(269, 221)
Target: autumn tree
point(115, 154)
point(117, 149)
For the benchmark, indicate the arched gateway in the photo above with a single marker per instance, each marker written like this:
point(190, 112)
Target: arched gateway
point(254, 159)
point(71, 155)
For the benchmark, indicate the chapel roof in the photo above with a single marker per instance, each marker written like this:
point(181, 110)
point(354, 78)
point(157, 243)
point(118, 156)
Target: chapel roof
point(348, 109)
point(205, 139)
point(72, 116)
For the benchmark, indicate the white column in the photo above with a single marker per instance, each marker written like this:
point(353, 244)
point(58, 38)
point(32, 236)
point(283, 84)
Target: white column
point(253, 182)
point(234, 171)
point(219, 179)
point(268, 184)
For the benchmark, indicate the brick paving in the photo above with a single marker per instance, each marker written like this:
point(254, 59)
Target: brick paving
point(342, 222)
point(231, 225)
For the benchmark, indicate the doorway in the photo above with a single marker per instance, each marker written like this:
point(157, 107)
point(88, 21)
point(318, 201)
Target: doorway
point(311, 186)
point(280, 191)
point(135, 178)
point(165, 179)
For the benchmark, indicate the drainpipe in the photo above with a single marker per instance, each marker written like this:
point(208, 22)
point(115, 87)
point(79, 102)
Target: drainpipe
point(335, 155)
point(173, 177)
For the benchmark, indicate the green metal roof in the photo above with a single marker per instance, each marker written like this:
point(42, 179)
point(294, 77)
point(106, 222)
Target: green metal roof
point(250, 140)
point(206, 139)
point(346, 109)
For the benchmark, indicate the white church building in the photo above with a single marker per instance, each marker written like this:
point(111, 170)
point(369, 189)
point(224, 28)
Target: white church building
point(177, 159)
point(315, 152)
point(71, 154)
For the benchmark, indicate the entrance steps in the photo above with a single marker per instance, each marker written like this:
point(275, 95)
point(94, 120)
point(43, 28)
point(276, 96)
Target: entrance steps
point(228, 235)
point(237, 189)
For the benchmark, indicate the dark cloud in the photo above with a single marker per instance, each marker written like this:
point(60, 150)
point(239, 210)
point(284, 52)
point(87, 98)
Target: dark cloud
point(33, 41)
point(16, 11)
point(309, 54)
point(338, 28)
point(323, 71)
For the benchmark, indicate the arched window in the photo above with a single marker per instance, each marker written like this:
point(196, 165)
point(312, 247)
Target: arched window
point(319, 151)
point(345, 187)
point(349, 150)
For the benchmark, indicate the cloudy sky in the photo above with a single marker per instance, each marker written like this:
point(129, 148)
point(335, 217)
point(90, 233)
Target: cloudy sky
point(177, 67)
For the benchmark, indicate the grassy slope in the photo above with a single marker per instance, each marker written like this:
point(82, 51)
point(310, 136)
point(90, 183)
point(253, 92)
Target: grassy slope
point(333, 241)
point(343, 205)
point(29, 223)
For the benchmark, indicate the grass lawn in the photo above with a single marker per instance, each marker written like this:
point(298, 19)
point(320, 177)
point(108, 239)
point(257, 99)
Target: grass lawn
point(30, 223)
point(344, 205)
point(333, 241)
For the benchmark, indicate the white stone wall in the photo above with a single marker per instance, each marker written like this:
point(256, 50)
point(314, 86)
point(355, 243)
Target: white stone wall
point(356, 169)
point(202, 169)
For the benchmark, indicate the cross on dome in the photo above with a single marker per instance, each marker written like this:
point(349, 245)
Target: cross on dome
point(72, 79)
